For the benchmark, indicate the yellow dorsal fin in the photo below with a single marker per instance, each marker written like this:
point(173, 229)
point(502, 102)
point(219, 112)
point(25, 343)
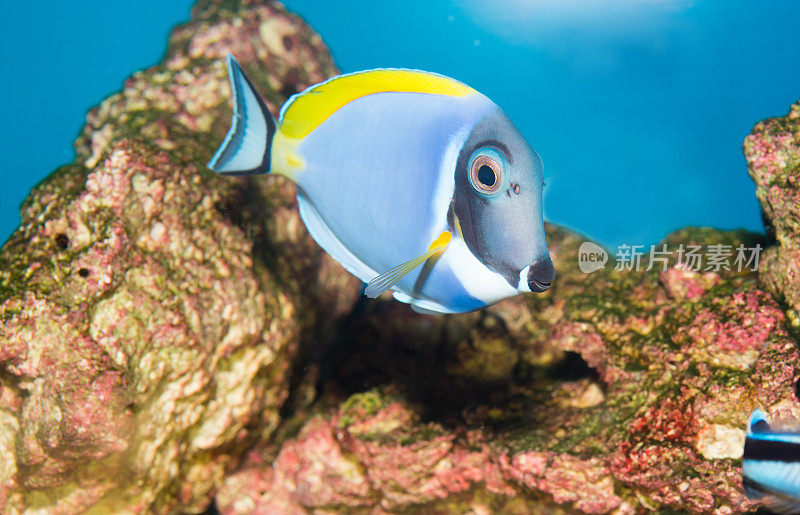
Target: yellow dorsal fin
point(304, 112)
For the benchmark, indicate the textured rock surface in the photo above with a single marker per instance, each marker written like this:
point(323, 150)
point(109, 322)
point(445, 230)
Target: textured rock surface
point(614, 391)
point(149, 311)
point(374, 452)
point(773, 155)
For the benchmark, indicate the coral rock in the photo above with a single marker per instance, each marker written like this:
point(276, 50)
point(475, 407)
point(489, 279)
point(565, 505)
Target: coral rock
point(145, 339)
point(773, 156)
point(628, 391)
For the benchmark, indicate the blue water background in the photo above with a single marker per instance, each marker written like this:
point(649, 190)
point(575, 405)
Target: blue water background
point(638, 107)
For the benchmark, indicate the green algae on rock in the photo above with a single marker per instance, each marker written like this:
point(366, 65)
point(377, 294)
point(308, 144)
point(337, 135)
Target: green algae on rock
point(145, 340)
point(773, 157)
point(385, 458)
point(629, 391)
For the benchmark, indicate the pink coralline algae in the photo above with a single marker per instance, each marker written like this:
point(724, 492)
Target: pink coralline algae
point(684, 283)
point(114, 364)
point(580, 338)
point(403, 464)
point(773, 157)
point(586, 483)
point(768, 154)
point(143, 344)
point(669, 420)
point(673, 380)
point(735, 328)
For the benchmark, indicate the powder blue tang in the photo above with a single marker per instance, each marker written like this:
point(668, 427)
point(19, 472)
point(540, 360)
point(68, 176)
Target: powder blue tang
point(413, 181)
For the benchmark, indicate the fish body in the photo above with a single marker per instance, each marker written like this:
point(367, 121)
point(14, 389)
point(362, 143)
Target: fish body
point(412, 181)
point(771, 465)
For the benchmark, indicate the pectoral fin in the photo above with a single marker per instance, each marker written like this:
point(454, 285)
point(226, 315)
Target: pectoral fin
point(391, 277)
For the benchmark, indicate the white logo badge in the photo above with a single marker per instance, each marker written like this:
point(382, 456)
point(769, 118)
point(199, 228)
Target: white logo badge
point(591, 257)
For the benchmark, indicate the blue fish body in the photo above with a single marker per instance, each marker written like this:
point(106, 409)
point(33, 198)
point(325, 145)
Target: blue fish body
point(396, 198)
point(771, 465)
point(412, 181)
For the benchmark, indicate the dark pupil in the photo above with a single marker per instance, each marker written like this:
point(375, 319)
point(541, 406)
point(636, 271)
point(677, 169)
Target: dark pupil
point(486, 175)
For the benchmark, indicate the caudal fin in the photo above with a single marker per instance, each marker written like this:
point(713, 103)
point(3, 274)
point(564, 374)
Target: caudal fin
point(247, 146)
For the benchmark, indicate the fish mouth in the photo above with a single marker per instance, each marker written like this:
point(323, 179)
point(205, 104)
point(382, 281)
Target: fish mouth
point(538, 286)
point(540, 275)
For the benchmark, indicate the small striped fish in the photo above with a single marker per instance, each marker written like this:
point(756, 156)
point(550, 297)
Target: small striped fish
point(771, 465)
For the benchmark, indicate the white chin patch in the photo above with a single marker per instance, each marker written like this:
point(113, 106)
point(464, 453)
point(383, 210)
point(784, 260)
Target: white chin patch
point(478, 281)
point(523, 279)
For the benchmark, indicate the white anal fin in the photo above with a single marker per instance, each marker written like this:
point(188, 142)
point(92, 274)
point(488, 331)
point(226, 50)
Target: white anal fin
point(246, 149)
point(391, 277)
point(425, 311)
point(424, 306)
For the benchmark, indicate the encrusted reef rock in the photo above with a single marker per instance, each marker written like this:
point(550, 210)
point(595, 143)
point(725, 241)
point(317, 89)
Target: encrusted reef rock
point(616, 391)
point(171, 339)
point(149, 310)
point(773, 155)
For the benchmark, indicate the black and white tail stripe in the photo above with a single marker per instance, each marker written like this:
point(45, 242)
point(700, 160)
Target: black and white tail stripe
point(246, 149)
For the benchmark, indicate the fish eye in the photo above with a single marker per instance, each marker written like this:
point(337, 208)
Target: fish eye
point(486, 174)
